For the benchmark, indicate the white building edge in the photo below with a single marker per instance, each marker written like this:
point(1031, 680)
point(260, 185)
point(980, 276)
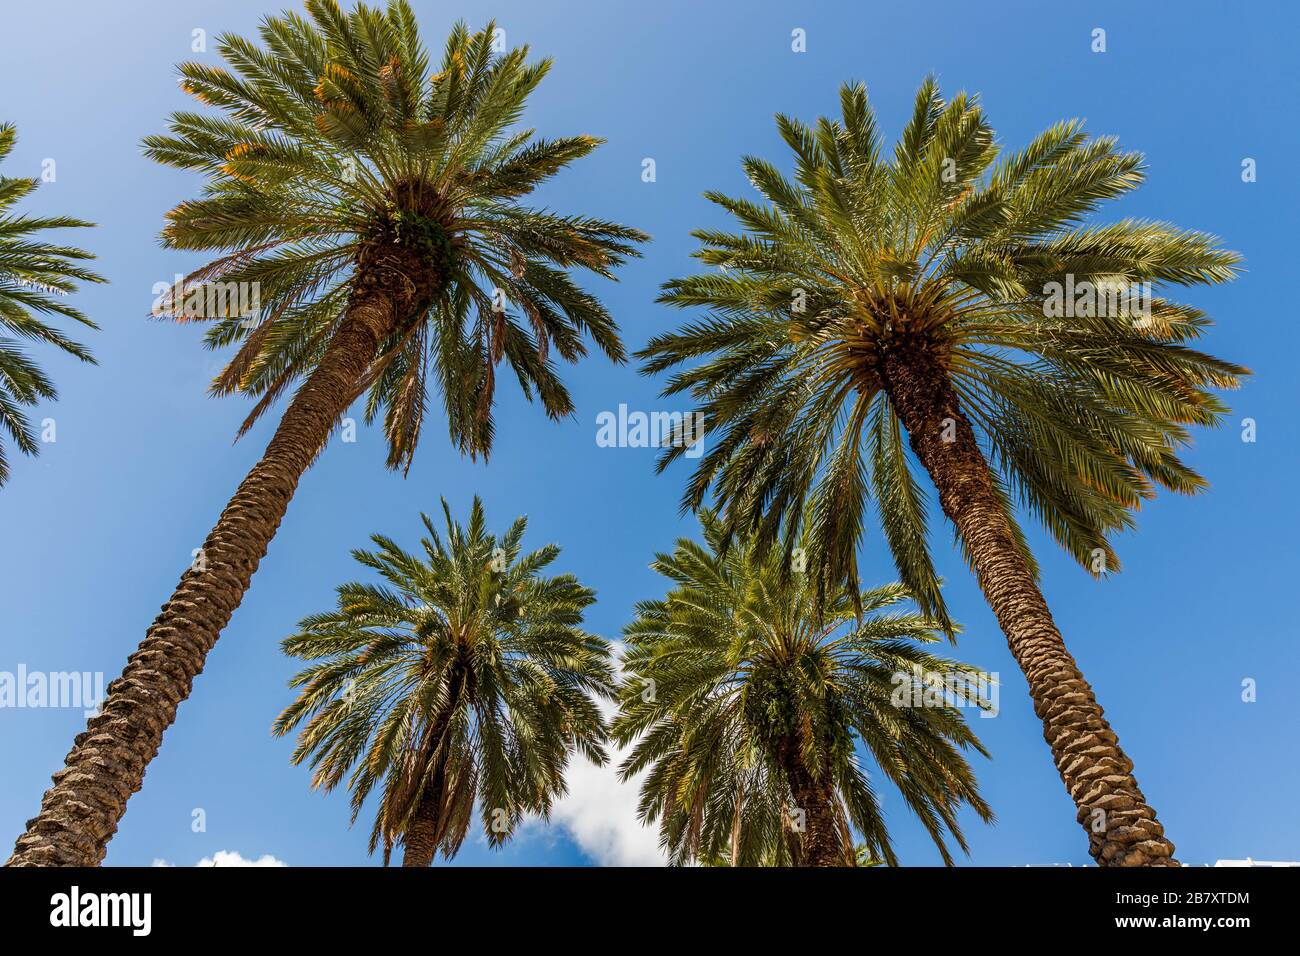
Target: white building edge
point(1249, 862)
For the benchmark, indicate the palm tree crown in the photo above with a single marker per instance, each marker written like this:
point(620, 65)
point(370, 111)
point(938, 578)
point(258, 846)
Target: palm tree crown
point(339, 164)
point(941, 258)
point(748, 700)
point(465, 676)
point(34, 276)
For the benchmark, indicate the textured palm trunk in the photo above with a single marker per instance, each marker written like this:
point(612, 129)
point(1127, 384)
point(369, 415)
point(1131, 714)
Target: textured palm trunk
point(1122, 828)
point(421, 839)
point(107, 763)
point(821, 844)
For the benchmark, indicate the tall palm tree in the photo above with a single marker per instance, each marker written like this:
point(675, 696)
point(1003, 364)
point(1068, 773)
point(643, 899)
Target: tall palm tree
point(747, 698)
point(372, 238)
point(922, 293)
point(34, 276)
point(466, 676)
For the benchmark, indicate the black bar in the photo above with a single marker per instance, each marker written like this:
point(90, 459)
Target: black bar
point(565, 906)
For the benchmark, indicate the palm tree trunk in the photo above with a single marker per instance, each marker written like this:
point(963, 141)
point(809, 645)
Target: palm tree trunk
point(421, 840)
point(1122, 828)
point(106, 765)
point(815, 800)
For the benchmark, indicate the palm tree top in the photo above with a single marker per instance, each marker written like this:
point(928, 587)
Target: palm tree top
point(338, 160)
point(35, 278)
point(950, 256)
point(465, 674)
point(740, 659)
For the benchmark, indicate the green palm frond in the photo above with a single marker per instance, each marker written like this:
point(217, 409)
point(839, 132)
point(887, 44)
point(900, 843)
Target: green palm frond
point(35, 279)
point(335, 132)
point(465, 675)
point(957, 246)
point(739, 657)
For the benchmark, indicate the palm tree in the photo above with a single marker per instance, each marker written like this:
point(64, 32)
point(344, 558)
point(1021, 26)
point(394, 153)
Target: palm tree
point(467, 675)
point(34, 275)
point(922, 293)
point(372, 238)
point(748, 697)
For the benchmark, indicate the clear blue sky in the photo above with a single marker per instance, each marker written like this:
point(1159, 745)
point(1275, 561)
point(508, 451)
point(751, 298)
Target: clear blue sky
point(96, 531)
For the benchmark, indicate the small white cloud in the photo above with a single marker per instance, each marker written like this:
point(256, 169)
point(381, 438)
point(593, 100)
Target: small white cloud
point(230, 858)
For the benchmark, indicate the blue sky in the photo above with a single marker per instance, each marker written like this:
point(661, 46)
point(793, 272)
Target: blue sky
point(96, 530)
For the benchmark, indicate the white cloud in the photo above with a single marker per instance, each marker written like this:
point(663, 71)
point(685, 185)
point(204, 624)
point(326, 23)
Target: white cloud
point(599, 811)
point(230, 858)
